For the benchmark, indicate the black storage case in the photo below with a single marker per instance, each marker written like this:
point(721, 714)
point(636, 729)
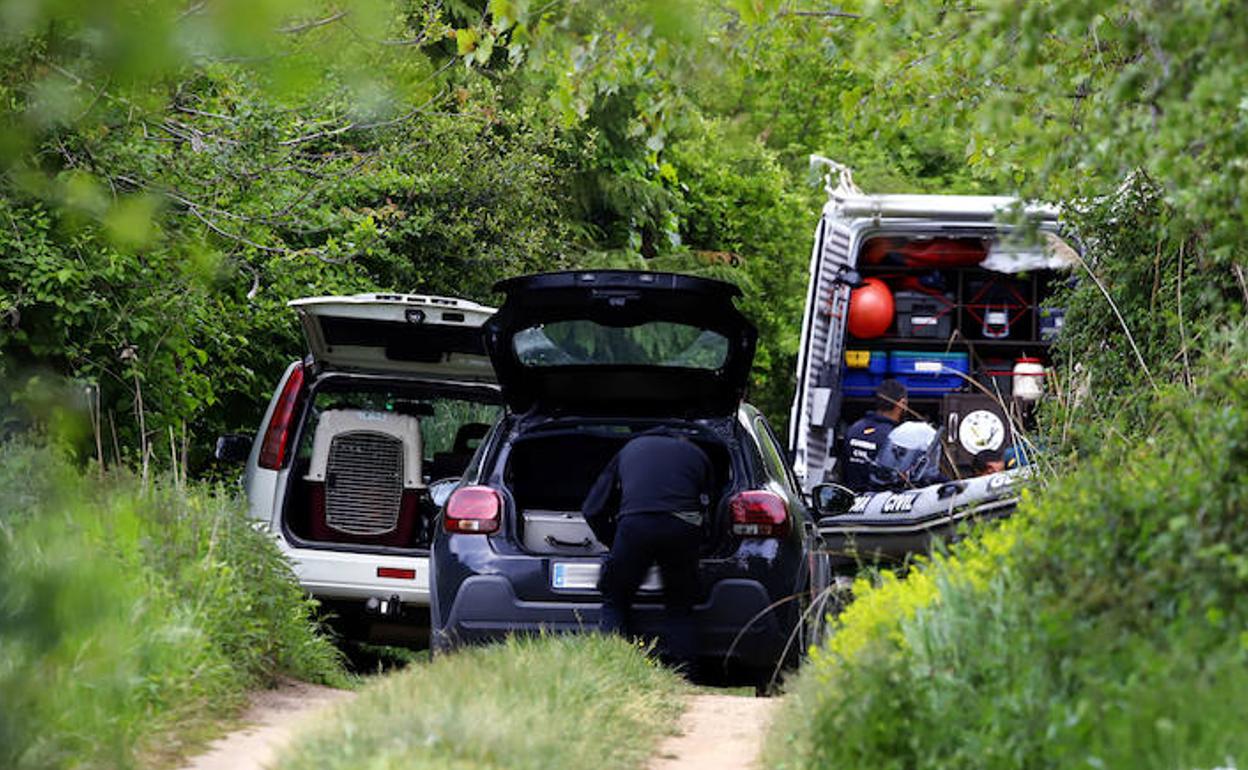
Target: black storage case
point(920, 314)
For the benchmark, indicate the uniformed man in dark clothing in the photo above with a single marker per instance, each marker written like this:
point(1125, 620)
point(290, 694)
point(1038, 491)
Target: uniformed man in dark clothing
point(648, 506)
point(865, 437)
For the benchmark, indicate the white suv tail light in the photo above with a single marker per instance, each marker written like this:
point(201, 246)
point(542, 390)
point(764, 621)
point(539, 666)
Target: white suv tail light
point(276, 437)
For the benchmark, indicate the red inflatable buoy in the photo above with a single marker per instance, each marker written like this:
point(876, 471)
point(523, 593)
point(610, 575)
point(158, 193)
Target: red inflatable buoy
point(870, 309)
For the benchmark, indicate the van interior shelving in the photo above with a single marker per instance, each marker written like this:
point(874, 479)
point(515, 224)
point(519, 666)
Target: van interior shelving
point(981, 321)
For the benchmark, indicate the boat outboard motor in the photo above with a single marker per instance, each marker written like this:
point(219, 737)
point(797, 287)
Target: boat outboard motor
point(910, 457)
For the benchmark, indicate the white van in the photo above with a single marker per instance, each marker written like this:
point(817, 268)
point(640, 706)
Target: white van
point(361, 443)
point(969, 280)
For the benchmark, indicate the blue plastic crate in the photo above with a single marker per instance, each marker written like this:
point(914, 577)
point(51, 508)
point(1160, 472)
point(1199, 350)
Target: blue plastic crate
point(860, 382)
point(925, 373)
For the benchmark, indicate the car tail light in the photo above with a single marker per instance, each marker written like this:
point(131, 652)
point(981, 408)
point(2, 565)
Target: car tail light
point(475, 510)
point(276, 436)
point(396, 573)
point(759, 514)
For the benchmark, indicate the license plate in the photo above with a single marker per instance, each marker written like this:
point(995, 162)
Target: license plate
point(582, 576)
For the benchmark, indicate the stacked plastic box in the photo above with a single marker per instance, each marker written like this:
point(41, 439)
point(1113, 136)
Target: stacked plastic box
point(920, 314)
point(926, 373)
point(923, 373)
point(864, 371)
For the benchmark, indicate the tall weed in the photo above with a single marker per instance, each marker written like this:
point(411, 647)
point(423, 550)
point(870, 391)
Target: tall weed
point(125, 611)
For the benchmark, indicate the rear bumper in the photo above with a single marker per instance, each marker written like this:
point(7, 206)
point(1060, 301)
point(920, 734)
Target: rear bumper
point(353, 576)
point(735, 616)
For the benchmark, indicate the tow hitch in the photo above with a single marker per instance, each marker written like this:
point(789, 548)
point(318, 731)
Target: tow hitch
point(387, 608)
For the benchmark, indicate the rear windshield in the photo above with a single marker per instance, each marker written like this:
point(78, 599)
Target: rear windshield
point(404, 341)
point(587, 343)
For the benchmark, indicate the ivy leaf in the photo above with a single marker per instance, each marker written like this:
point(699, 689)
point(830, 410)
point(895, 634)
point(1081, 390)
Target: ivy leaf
point(466, 40)
point(485, 49)
point(504, 13)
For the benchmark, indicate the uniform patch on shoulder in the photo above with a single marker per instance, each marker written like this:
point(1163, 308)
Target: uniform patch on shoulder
point(868, 431)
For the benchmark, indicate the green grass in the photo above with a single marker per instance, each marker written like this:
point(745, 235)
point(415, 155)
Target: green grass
point(544, 703)
point(1104, 626)
point(131, 618)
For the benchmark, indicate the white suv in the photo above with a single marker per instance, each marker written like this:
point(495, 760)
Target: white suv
point(360, 445)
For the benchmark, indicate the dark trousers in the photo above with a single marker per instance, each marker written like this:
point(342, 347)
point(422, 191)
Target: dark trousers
point(643, 539)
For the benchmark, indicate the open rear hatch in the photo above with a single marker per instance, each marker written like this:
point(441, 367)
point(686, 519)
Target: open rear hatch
point(371, 454)
point(430, 337)
point(621, 343)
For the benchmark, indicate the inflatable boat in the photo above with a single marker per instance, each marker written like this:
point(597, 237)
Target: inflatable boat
point(888, 527)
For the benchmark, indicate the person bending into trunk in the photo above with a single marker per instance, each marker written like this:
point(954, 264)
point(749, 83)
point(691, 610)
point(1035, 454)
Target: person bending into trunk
point(648, 506)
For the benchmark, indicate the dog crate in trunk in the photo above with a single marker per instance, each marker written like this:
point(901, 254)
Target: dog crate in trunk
point(364, 477)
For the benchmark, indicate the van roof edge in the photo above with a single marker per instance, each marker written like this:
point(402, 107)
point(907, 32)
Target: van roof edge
point(983, 207)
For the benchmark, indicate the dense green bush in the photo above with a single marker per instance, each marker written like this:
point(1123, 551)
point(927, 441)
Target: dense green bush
point(158, 211)
point(126, 612)
point(1109, 633)
point(191, 323)
point(1170, 299)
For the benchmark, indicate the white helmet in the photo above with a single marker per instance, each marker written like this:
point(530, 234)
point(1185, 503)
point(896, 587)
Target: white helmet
point(910, 456)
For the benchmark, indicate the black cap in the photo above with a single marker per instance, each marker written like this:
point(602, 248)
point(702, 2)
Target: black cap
point(979, 463)
point(889, 394)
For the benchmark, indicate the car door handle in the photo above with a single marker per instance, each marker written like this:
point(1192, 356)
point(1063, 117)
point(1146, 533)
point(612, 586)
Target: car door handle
point(552, 540)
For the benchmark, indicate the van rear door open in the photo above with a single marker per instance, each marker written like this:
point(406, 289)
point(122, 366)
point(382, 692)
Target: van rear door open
point(970, 278)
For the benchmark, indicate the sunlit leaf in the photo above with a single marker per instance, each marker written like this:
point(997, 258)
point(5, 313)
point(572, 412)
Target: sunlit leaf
point(131, 221)
point(466, 40)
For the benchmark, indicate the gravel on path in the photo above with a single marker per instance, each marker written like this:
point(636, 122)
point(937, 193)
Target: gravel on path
point(717, 732)
point(271, 721)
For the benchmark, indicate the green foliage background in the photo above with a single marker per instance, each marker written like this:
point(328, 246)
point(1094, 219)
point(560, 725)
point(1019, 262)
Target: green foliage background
point(171, 174)
point(169, 185)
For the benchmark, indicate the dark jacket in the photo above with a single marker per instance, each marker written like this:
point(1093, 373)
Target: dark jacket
point(862, 445)
point(656, 472)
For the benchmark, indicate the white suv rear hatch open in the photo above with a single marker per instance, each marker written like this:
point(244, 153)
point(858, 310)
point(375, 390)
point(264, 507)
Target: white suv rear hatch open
point(401, 369)
point(423, 336)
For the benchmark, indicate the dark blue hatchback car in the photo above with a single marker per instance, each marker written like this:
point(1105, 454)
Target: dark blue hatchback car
point(586, 360)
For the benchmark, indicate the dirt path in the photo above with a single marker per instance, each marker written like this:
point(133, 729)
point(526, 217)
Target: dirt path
point(717, 732)
point(272, 720)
